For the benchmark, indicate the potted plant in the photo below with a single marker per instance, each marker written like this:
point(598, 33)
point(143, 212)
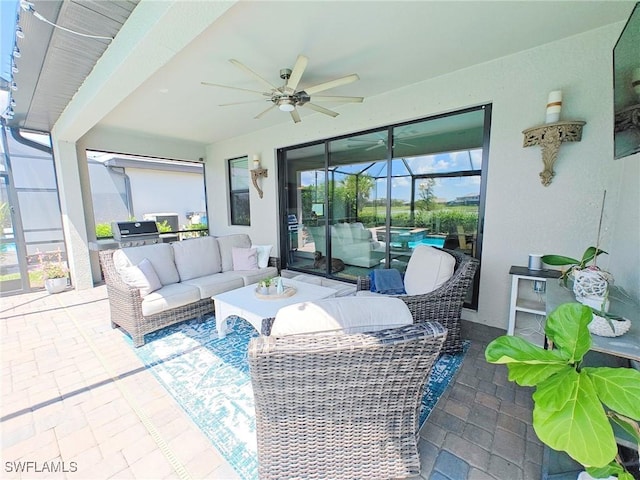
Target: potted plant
point(54, 272)
point(569, 401)
point(589, 255)
point(263, 285)
point(590, 283)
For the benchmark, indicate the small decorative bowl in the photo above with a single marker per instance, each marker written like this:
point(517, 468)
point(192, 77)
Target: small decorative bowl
point(602, 327)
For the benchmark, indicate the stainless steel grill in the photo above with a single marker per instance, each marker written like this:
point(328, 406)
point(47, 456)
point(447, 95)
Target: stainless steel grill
point(131, 234)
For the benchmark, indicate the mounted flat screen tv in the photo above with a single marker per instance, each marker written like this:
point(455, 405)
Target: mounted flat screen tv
point(626, 88)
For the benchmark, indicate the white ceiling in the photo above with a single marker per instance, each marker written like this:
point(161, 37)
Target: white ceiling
point(388, 44)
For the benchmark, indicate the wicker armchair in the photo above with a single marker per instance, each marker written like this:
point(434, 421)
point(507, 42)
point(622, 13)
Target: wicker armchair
point(341, 406)
point(444, 304)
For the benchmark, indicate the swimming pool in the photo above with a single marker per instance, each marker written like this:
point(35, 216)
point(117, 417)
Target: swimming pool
point(7, 247)
point(431, 240)
point(409, 237)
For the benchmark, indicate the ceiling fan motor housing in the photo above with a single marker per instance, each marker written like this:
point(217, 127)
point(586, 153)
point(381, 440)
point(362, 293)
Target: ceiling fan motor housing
point(285, 73)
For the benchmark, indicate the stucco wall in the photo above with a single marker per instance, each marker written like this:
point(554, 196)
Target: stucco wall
point(522, 216)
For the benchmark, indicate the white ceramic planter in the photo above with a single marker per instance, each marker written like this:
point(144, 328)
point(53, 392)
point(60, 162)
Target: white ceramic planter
point(55, 285)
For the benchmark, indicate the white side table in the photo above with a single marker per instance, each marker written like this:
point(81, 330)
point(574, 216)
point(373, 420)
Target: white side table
point(521, 279)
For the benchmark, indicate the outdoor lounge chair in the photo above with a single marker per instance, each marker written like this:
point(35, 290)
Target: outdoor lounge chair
point(444, 304)
point(341, 406)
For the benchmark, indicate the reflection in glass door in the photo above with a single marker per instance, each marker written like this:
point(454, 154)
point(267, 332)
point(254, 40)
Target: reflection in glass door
point(11, 273)
point(304, 207)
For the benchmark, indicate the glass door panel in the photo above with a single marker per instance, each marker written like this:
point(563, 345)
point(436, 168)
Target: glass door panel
point(355, 166)
point(10, 272)
point(305, 218)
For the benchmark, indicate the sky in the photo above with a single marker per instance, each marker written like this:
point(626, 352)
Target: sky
point(445, 188)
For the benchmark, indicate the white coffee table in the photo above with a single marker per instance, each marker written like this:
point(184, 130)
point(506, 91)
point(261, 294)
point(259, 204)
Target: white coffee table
point(244, 303)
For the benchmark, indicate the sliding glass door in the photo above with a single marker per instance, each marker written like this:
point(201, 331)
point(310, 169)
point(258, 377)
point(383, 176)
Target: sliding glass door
point(365, 201)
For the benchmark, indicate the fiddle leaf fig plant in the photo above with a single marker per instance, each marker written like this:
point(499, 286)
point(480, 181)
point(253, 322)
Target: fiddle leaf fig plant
point(569, 411)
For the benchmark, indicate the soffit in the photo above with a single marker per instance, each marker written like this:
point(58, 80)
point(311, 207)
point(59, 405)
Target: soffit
point(55, 63)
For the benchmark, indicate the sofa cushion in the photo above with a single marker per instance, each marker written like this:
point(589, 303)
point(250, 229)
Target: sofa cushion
point(359, 233)
point(197, 257)
point(226, 244)
point(244, 258)
point(427, 270)
point(264, 252)
point(168, 297)
point(142, 276)
point(346, 314)
point(211, 285)
point(160, 255)
point(343, 231)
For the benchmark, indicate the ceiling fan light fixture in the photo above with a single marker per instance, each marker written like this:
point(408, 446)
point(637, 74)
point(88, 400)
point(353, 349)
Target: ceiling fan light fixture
point(286, 105)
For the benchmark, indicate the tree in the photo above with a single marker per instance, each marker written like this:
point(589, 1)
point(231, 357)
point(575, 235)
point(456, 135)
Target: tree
point(427, 195)
point(355, 191)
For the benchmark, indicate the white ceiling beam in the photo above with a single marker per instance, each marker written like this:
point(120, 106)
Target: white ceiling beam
point(155, 32)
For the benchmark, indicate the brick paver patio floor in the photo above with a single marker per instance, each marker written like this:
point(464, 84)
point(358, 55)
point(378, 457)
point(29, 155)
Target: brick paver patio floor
point(76, 398)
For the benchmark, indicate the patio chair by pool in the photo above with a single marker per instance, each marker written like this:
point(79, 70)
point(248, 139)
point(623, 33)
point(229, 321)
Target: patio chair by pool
point(438, 300)
point(341, 406)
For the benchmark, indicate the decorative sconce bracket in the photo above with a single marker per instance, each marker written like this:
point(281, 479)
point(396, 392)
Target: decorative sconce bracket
point(257, 173)
point(549, 137)
point(627, 119)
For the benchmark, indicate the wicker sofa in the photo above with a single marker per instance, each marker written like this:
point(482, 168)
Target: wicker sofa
point(190, 273)
point(444, 304)
point(341, 406)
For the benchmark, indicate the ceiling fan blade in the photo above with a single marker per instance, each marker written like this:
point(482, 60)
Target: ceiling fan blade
point(266, 94)
point(332, 84)
point(296, 74)
point(320, 109)
point(295, 116)
point(240, 103)
point(329, 98)
point(261, 114)
point(374, 147)
point(242, 66)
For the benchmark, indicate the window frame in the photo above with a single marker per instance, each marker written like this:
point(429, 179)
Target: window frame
point(234, 193)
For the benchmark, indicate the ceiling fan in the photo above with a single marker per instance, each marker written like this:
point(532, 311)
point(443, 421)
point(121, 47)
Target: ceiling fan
point(287, 97)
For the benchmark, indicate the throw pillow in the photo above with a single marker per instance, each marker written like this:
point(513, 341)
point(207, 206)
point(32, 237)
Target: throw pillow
point(264, 251)
point(244, 258)
point(427, 270)
point(142, 276)
point(342, 315)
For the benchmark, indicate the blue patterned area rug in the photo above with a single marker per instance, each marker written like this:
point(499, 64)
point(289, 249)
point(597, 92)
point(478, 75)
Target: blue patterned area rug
point(209, 378)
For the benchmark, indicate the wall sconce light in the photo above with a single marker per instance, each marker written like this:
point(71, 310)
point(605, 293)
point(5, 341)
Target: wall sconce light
point(258, 172)
point(551, 135)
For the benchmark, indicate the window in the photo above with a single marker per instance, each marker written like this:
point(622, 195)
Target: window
point(370, 198)
point(239, 191)
point(127, 187)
